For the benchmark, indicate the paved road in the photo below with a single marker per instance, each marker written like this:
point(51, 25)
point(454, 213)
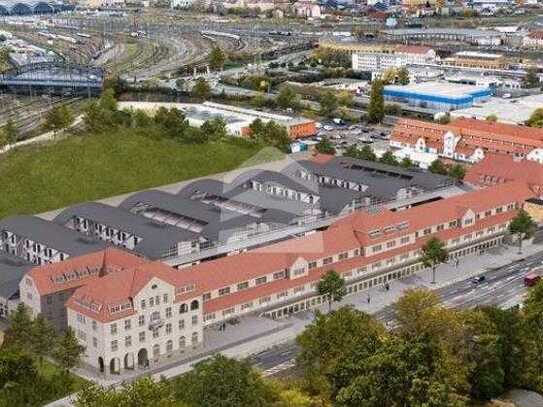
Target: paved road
point(502, 287)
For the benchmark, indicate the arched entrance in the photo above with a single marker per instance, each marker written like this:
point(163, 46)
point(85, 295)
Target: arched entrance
point(114, 366)
point(101, 364)
point(143, 358)
point(129, 361)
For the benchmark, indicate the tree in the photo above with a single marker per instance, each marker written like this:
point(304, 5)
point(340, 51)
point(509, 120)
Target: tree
point(215, 128)
point(171, 121)
point(523, 226)
point(531, 79)
point(19, 333)
point(58, 118)
point(68, 351)
point(457, 171)
point(201, 89)
point(433, 254)
point(324, 146)
point(533, 335)
point(403, 76)
point(407, 163)
point(217, 58)
point(294, 398)
point(388, 158)
point(287, 97)
point(328, 103)
point(376, 107)
point(107, 101)
point(221, 381)
point(140, 393)
point(345, 98)
point(43, 338)
point(491, 118)
point(536, 118)
point(11, 131)
point(437, 167)
point(330, 337)
point(3, 139)
point(389, 76)
point(367, 154)
point(332, 286)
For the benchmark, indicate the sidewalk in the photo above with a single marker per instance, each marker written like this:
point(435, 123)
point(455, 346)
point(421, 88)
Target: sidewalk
point(254, 335)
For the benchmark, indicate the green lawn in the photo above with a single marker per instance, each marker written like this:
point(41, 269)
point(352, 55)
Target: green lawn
point(49, 371)
point(41, 178)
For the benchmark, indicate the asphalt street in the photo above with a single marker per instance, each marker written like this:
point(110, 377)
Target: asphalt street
point(503, 287)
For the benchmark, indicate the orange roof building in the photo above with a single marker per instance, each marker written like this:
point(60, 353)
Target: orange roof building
point(131, 312)
point(468, 140)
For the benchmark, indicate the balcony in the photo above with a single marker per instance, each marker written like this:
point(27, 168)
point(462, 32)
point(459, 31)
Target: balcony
point(156, 324)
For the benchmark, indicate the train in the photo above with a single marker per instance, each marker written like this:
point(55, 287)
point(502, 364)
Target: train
point(281, 33)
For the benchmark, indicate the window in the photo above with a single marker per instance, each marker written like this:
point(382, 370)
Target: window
point(343, 256)
point(155, 316)
point(94, 342)
point(127, 341)
point(452, 224)
point(169, 312)
point(127, 324)
point(165, 298)
point(224, 291)
point(141, 336)
point(182, 342)
point(194, 338)
point(207, 296)
point(157, 300)
point(181, 324)
point(143, 304)
point(404, 240)
point(327, 260)
point(282, 294)
point(376, 248)
point(499, 210)
point(279, 275)
point(209, 317)
point(194, 305)
point(298, 272)
point(113, 329)
point(468, 221)
point(183, 308)
point(94, 326)
point(246, 305)
point(391, 244)
point(427, 231)
point(440, 227)
point(242, 286)
point(114, 346)
point(169, 346)
point(151, 302)
point(299, 289)
point(264, 300)
point(312, 265)
point(168, 328)
point(155, 333)
point(260, 280)
point(195, 320)
point(141, 320)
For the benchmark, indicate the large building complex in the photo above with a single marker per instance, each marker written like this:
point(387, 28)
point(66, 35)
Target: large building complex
point(477, 60)
point(238, 119)
point(435, 34)
point(441, 96)
point(209, 218)
point(395, 57)
point(129, 313)
point(468, 140)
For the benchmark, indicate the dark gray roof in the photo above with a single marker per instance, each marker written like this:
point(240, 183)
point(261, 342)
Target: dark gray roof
point(217, 223)
point(156, 237)
point(12, 270)
point(383, 181)
point(51, 235)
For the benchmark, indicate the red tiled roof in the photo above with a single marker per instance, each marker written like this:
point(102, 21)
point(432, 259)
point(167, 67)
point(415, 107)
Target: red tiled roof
point(536, 35)
point(320, 158)
point(74, 272)
point(413, 49)
point(505, 169)
point(349, 233)
point(511, 131)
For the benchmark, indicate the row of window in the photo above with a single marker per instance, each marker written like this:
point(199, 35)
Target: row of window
point(114, 345)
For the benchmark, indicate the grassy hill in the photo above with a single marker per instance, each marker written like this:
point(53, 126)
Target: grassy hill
point(41, 178)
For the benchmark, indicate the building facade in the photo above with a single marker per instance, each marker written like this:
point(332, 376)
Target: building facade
point(468, 140)
point(132, 317)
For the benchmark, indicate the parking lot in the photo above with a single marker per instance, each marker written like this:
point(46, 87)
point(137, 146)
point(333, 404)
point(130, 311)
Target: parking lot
point(343, 136)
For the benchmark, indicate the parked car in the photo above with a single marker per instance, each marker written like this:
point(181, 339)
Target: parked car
point(478, 279)
point(531, 279)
